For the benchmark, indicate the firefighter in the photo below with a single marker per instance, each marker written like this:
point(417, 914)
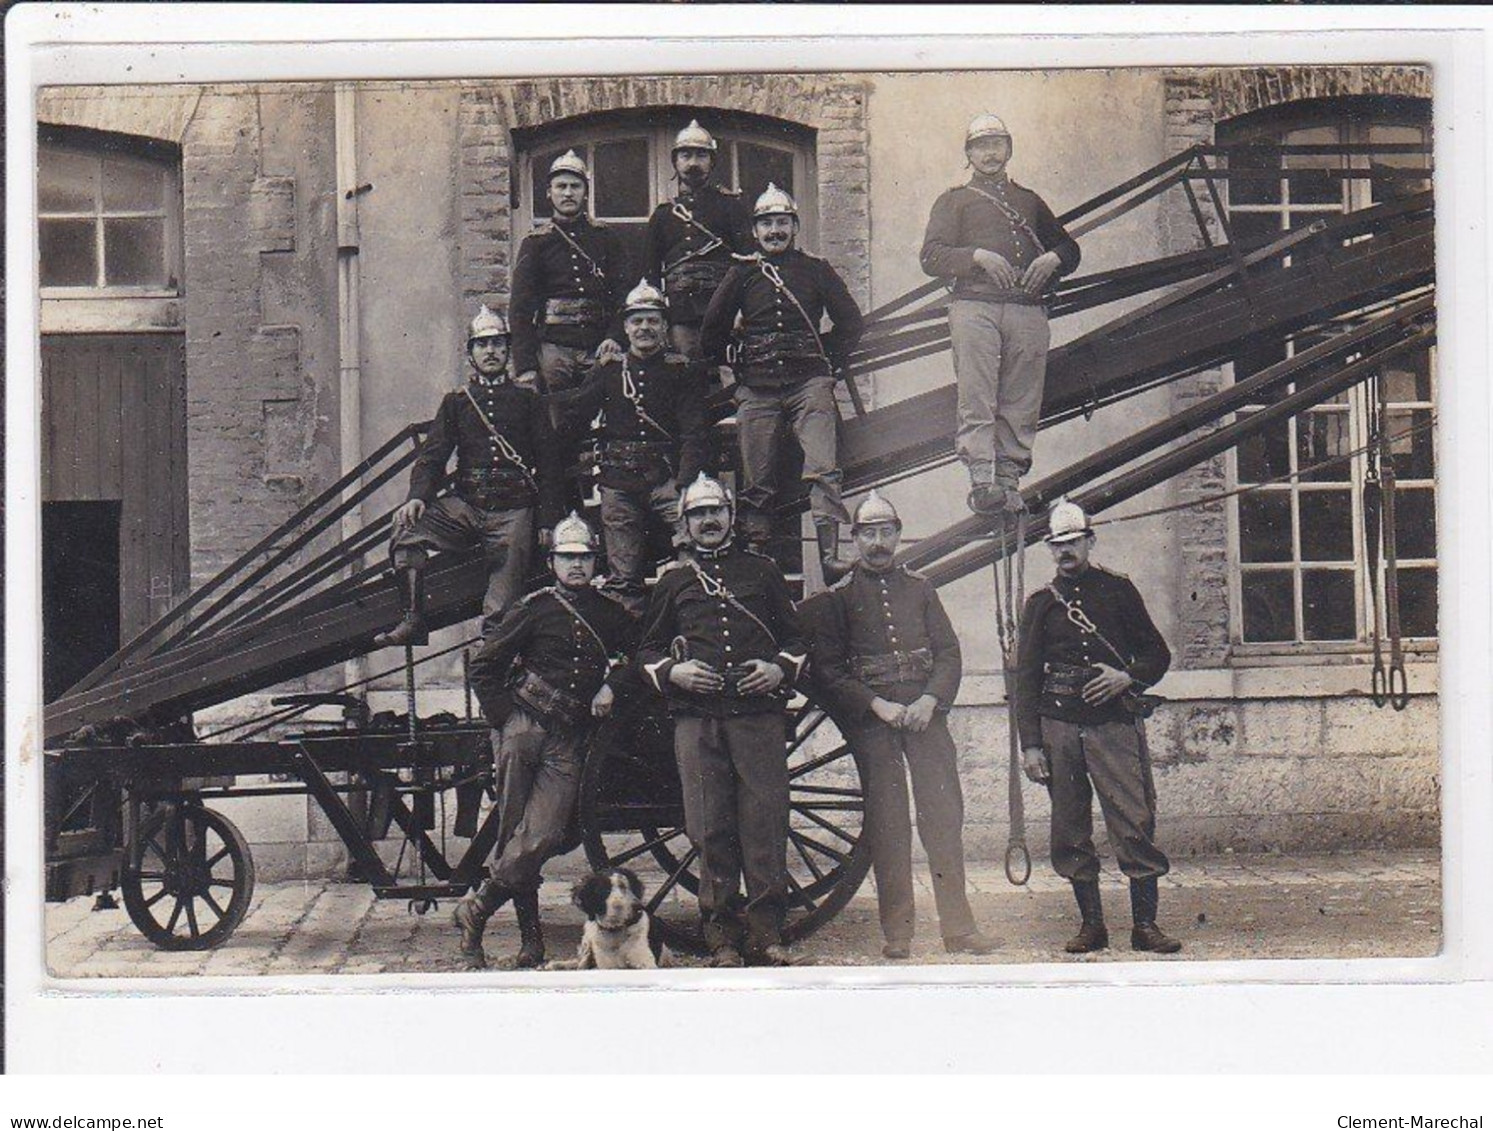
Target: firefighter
point(567, 287)
point(691, 239)
point(722, 643)
point(1087, 647)
point(653, 439)
point(888, 661)
point(1004, 250)
point(785, 369)
point(557, 661)
point(506, 466)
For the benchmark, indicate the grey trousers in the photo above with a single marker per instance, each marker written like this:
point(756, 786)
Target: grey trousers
point(808, 407)
point(450, 523)
point(735, 778)
point(625, 518)
point(1000, 365)
point(538, 777)
point(1113, 757)
point(931, 759)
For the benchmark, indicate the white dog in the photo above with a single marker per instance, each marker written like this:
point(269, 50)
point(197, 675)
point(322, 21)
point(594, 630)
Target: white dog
point(619, 932)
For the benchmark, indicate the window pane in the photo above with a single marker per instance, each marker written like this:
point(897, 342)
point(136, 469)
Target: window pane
point(1418, 602)
point(1415, 522)
point(1268, 615)
point(1328, 605)
point(759, 165)
point(1410, 379)
point(1265, 527)
point(1254, 229)
point(622, 175)
point(1316, 186)
point(1265, 455)
point(1323, 436)
point(1396, 188)
point(135, 252)
point(539, 169)
point(68, 254)
point(66, 182)
point(1254, 190)
point(1326, 526)
point(1412, 443)
point(132, 186)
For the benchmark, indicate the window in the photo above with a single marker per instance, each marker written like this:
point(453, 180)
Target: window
point(109, 218)
point(1299, 551)
point(632, 171)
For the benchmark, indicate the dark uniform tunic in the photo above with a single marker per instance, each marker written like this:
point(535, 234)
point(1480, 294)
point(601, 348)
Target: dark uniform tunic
point(730, 747)
point(542, 718)
point(566, 292)
point(691, 241)
point(777, 347)
point(499, 483)
point(783, 376)
point(640, 450)
point(965, 219)
point(886, 635)
point(1104, 745)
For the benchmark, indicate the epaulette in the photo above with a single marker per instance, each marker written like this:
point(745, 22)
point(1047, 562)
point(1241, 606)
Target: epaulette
point(540, 592)
point(672, 358)
point(727, 191)
point(1111, 572)
point(844, 582)
point(544, 228)
point(919, 574)
point(597, 223)
point(749, 257)
point(756, 553)
point(670, 567)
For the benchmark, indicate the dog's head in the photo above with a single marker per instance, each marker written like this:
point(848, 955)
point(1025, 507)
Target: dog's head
point(613, 899)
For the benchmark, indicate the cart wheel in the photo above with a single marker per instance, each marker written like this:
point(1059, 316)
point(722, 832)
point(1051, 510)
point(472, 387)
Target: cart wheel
point(827, 855)
point(188, 878)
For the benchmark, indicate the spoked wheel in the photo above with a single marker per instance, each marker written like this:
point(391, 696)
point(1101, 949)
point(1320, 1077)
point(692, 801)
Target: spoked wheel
point(632, 816)
point(188, 879)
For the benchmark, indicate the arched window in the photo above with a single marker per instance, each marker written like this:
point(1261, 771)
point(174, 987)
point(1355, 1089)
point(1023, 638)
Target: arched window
point(1300, 577)
point(109, 211)
point(628, 152)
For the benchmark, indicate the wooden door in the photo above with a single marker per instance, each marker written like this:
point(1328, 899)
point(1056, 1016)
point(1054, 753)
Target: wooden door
point(114, 429)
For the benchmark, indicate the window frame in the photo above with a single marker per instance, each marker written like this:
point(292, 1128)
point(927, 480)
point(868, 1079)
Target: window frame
point(98, 148)
point(660, 133)
point(1353, 126)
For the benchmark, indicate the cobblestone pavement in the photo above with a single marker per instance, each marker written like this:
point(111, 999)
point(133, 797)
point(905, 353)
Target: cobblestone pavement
point(1365, 904)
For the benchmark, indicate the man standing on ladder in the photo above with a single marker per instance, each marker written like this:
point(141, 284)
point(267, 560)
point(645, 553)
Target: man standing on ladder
point(888, 660)
point(1003, 248)
point(785, 370)
point(692, 238)
point(654, 438)
point(571, 647)
point(1088, 647)
point(506, 465)
point(722, 643)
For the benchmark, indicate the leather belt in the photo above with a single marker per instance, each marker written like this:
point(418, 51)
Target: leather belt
point(574, 312)
point(887, 668)
point(550, 703)
point(695, 276)
point(649, 459)
point(484, 487)
point(1066, 679)
point(777, 345)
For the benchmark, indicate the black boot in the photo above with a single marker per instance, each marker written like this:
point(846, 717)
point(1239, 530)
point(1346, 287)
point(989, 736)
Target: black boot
point(411, 630)
point(530, 930)
point(1144, 933)
point(471, 914)
point(1092, 934)
point(827, 531)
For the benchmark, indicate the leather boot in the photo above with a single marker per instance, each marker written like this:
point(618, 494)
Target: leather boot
point(1144, 933)
point(411, 630)
point(985, 497)
point(470, 915)
point(827, 531)
point(1092, 934)
point(530, 930)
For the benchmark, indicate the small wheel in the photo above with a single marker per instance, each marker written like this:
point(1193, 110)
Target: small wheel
point(188, 878)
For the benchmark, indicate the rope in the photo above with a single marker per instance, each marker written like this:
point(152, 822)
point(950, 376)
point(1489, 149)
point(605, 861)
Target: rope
point(1010, 595)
